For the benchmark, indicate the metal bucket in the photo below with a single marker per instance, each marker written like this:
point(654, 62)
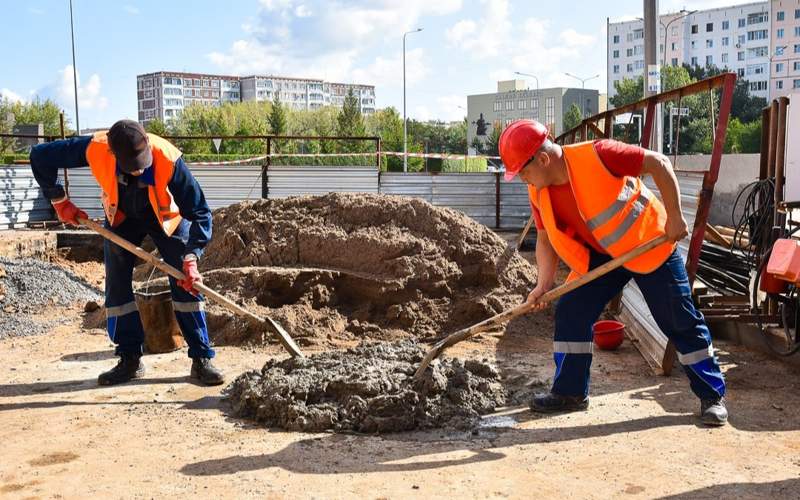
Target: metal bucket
point(161, 330)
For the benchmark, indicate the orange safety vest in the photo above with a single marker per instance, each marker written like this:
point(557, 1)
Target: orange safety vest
point(104, 168)
point(621, 212)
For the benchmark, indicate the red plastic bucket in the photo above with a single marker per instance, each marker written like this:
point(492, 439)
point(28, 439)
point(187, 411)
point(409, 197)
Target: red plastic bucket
point(608, 334)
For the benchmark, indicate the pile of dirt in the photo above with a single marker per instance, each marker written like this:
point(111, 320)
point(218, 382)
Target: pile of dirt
point(29, 287)
point(368, 389)
point(353, 266)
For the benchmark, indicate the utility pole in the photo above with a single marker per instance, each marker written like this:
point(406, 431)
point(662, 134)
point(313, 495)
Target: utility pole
point(652, 71)
point(74, 70)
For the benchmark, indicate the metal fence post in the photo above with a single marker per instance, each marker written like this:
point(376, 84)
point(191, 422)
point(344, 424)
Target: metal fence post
point(265, 170)
point(497, 200)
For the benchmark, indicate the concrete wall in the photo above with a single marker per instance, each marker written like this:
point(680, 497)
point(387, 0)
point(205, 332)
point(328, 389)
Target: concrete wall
point(736, 172)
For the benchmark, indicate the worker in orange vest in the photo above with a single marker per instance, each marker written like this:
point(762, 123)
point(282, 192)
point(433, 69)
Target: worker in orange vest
point(147, 190)
point(591, 206)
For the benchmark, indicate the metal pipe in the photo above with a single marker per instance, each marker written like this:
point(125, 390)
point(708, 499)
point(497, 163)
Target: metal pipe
point(74, 70)
point(780, 156)
point(762, 171)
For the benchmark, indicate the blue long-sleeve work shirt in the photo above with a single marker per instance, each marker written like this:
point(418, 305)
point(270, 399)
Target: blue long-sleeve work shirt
point(48, 158)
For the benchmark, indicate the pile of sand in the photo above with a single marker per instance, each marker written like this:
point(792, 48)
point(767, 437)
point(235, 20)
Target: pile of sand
point(368, 389)
point(353, 266)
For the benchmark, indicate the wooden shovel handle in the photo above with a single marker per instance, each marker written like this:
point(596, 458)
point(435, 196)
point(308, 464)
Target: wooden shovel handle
point(524, 308)
point(283, 336)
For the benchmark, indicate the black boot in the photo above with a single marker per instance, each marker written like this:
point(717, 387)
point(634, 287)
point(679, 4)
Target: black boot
point(128, 368)
point(205, 372)
point(554, 403)
point(713, 412)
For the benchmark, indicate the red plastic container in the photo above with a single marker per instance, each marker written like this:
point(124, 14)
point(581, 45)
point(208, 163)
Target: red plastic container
point(608, 335)
point(784, 262)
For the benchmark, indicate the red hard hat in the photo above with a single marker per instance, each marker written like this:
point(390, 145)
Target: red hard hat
point(518, 143)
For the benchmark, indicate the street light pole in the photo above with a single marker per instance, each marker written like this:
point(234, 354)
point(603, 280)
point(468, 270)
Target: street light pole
point(466, 135)
point(74, 70)
point(405, 120)
point(537, 90)
point(684, 13)
point(583, 88)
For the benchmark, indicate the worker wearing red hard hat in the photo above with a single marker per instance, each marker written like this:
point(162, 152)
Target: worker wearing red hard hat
point(591, 206)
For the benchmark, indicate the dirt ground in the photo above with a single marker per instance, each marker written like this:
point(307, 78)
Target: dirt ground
point(64, 437)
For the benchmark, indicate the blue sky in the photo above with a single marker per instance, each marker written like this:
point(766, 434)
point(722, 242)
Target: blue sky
point(465, 47)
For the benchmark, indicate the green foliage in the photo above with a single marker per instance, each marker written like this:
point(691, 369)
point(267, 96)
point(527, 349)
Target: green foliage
point(156, 127)
point(277, 117)
point(572, 117)
point(350, 123)
point(493, 141)
point(628, 90)
point(743, 137)
point(34, 112)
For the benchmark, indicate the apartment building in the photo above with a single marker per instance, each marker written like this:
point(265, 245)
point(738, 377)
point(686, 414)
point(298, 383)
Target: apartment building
point(737, 38)
point(163, 95)
point(785, 59)
point(514, 101)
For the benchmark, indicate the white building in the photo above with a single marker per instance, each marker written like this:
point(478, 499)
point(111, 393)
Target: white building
point(736, 38)
point(163, 95)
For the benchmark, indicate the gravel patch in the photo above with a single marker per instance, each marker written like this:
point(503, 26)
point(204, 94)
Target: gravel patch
point(28, 286)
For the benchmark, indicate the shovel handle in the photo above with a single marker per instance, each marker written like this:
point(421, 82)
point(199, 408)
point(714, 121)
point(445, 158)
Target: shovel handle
point(524, 308)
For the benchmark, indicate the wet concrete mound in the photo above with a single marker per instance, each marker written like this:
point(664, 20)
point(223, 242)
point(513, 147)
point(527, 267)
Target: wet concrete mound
point(368, 389)
point(354, 266)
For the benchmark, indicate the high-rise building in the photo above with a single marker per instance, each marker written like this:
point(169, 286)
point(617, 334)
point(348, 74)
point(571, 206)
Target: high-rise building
point(514, 101)
point(785, 58)
point(736, 38)
point(163, 95)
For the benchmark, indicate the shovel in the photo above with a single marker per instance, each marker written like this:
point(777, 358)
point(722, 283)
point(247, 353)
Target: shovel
point(283, 336)
point(524, 308)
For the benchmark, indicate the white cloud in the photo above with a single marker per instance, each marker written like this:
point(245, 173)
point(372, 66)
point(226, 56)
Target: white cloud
point(10, 95)
point(448, 107)
point(572, 38)
point(487, 36)
point(421, 113)
point(89, 95)
point(302, 11)
point(130, 9)
point(460, 31)
point(388, 72)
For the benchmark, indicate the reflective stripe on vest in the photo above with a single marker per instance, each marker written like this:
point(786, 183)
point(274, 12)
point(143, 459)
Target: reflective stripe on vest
point(104, 168)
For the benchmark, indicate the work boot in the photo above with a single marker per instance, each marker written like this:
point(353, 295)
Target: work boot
point(555, 403)
point(205, 372)
point(128, 368)
point(713, 412)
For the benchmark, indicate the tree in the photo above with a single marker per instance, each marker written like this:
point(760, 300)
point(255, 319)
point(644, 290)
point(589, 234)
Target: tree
point(156, 127)
point(493, 141)
point(477, 145)
point(572, 118)
point(628, 90)
point(277, 117)
point(46, 112)
point(350, 122)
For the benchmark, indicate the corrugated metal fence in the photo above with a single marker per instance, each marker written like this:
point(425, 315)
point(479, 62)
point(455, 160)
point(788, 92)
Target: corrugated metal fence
point(483, 196)
point(20, 198)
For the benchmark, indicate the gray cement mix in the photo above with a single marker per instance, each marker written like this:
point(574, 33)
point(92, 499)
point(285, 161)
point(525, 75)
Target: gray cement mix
point(367, 389)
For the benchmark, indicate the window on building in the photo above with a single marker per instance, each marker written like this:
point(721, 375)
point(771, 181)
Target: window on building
point(615, 54)
point(616, 38)
point(709, 60)
point(694, 29)
point(709, 44)
point(797, 48)
point(779, 67)
point(757, 86)
point(740, 55)
point(797, 13)
point(638, 34)
point(629, 68)
point(724, 57)
point(740, 72)
point(756, 69)
point(638, 64)
point(709, 27)
point(797, 31)
point(661, 48)
point(550, 110)
point(758, 52)
point(148, 83)
point(742, 23)
point(781, 15)
point(757, 18)
point(779, 84)
point(796, 84)
point(629, 37)
point(694, 60)
point(674, 61)
point(693, 44)
point(725, 41)
point(535, 107)
point(497, 106)
point(509, 105)
point(522, 104)
point(616, 68)
point(629, 53)
point(757, 35)
point(726, 25)
point(674, 46)
point(740, 40)
point(674, 31)
point(196, 82)
point(779, 33)
point(796, 66)
point(638, 50)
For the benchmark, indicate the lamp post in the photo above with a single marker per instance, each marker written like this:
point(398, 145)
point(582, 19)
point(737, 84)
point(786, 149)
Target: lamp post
point(537, 89)
point(684, 13)
point(466, 135)
point(405, 120)
point(583, 88)
point(778, 52)
point(74, 70)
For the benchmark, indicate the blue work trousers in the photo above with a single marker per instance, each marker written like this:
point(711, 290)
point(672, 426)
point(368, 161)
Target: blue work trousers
point(668, 295)
point(123, 321)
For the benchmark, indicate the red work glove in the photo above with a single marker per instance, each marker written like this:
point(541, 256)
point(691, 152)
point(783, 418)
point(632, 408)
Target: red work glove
point(192, 276)
point(67, 212)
